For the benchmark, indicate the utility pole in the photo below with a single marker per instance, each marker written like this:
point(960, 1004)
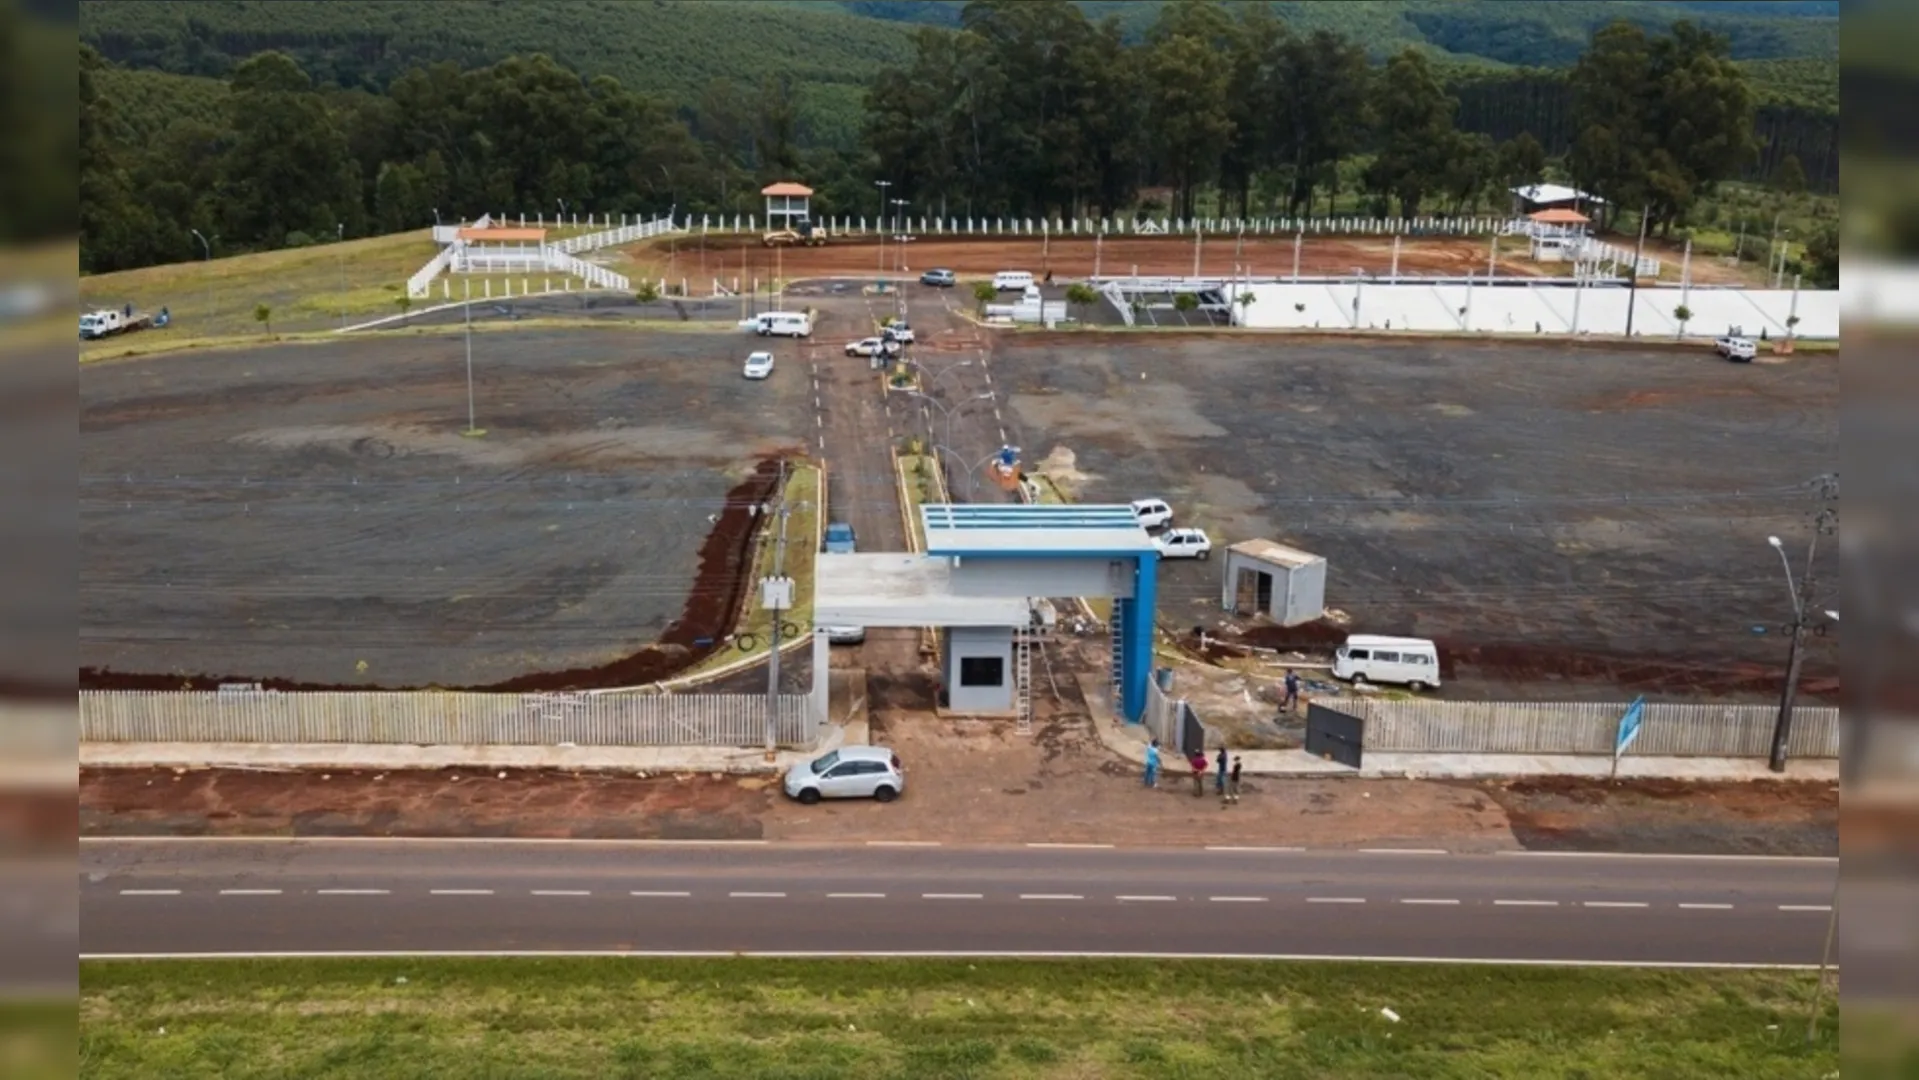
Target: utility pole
point(1827, 520)
point(207, 249)
point(1632, 274)
point(880, 223)
point(340, 238)
point(776, 598)
point(471, 427)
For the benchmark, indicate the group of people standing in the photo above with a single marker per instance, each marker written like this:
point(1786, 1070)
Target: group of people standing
point(1225, 769)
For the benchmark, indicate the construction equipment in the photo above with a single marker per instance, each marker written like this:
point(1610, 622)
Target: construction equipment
point(802, 232)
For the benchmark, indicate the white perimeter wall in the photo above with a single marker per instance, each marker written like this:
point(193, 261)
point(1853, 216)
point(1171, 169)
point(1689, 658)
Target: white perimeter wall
point(1554, 309)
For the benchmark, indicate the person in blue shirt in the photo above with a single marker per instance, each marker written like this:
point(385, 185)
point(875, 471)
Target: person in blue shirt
point(1152, 763)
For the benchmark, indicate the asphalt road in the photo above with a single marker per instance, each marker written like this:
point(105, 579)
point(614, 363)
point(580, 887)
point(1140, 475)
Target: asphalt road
point(185, 897)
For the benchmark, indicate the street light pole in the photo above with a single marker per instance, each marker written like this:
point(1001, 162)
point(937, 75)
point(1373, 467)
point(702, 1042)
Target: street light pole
point(339, 230)
point(773, 643)
point(1632, 276)
point(880, 223)
point(471, 426)
point(1801, 593)
point(899, 241)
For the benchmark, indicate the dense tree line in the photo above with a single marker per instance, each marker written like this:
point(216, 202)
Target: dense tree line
point(1029, 108)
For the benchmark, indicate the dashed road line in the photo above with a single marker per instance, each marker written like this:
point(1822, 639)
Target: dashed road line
point(249, 892)
point(1049, 896)
point(1705, 907)
point(1402, 851)
point(757, 895)
point(352, 892)
point(1805, 907)
point(1525, 903)
point(1335, 899)
point(902, 843)
point(1614, 903)
point(656, 893)
point(1421, 900)
point(1144, 899)
point(562, 892)
point(460, 892)
point(149, 892)
point(1061, 845)
point(1234, 847)
point(1237, 899)
point(856, 896)
point(950, 896)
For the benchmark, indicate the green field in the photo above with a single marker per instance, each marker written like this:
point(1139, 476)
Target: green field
point(927, 1019)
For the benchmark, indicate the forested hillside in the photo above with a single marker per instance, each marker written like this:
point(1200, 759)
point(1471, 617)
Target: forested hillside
point(1027, 107)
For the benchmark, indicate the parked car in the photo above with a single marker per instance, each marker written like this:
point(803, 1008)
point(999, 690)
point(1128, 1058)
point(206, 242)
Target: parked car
point(1152, 513)
point(1411, 662)
point(1737, 349)
point(944, 279)
point(759, 365)
point(845, 635)
point(840, 539)
point(870, 347)
point(1012, 281)
point(851, 772)
point(1184, 544)
point(899, 332)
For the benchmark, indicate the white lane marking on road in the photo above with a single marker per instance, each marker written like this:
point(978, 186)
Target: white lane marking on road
point(562, 892)
point(1006, 954)
point(459, 892)
point(818, 421)
point(856, 896)
point(657, 892)
point(1059, 845)
point(1143, 899)
point(950, 896)
point(149, 892)
point(1668, 856)
point(822, 442)
point(1428, 901)
point(1239, 847)
point(902, 843)
point(1616, 903)
point(1706, 907)
point(1335, 899)
point(1525, 903)
point(249, 892)
point(1805, 907)
point(1237, 899)
point(1403, 851)
point(758, 895)
point(352, 892)
point(1049, 896)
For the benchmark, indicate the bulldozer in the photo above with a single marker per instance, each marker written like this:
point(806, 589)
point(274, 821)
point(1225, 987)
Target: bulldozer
point(802, 232)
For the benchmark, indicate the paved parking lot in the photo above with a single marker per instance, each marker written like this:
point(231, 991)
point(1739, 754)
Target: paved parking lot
point(314, 512)
point(1551, 498)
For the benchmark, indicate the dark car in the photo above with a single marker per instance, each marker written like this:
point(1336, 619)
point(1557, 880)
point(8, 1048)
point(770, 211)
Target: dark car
point(839, 539)
point(942, 278)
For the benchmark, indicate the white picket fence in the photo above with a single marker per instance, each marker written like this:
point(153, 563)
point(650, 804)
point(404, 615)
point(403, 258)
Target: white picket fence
point(1505, 727)
point(851, 225)
point(427, 718)
point(593, 274)
point(557, 257)
point(614, 237)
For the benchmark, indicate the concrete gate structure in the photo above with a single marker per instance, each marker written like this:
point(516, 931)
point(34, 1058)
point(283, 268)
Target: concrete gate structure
point(982, 568)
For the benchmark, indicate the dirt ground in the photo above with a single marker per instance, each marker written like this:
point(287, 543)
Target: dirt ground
point(1570, 521)
point(313, 513)
point(1081, 257)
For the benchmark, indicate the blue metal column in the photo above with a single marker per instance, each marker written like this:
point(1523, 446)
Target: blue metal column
point(1136, 665)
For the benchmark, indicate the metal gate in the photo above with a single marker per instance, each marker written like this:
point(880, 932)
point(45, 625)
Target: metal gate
point(1334, 735)
point(1192, 733)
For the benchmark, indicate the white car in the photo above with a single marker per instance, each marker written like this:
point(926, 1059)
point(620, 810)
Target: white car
point(1152, 513)
point(1737, 349)
point(1184, 544)
point(851, 772)
point(899, 332)
point(865, 347)
point(759, 365)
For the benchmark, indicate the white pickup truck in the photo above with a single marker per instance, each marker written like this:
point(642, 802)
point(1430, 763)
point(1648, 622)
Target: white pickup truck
point(1737, 349)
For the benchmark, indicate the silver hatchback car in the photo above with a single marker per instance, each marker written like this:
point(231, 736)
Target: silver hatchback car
point(851, 772)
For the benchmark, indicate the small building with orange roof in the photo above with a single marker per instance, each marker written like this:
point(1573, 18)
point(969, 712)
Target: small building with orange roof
point(788, 204)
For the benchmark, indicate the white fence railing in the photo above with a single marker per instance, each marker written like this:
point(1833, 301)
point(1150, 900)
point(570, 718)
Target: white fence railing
point(427, 718)
point(593, 274)
point(1673, 730)
point(614, 237)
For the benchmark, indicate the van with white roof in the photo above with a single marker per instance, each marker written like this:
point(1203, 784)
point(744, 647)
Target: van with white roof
point(783, 324)
point(1012, 281)
point(1405, 661)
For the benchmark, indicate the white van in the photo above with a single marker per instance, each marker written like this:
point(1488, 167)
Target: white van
point(783, 324)
point(1012, 281)
point(1412, 662)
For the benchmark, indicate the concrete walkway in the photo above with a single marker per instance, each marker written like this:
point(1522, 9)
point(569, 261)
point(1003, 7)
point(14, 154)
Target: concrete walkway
point(1129, 742)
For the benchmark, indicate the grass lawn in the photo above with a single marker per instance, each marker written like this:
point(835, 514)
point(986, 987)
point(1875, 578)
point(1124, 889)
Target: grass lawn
point(155, 344)
point(922, 484)
point(804, 491)
point(309, 288)
point(930, 1019)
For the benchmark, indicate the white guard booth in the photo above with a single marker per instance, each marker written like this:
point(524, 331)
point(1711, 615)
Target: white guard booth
point(1262, 577)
